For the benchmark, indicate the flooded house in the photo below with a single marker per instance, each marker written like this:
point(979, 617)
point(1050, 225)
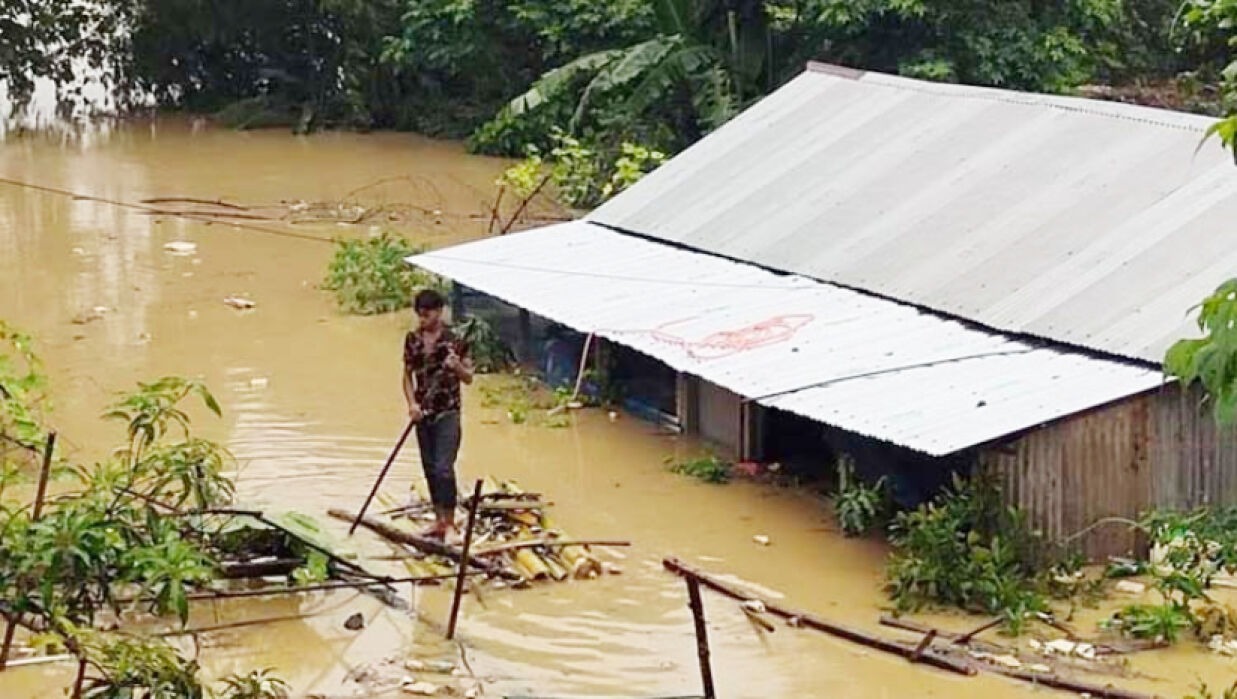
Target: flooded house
point(929, 277)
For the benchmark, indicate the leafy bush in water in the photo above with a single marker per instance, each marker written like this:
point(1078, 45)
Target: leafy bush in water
point(486, 347)
point(1161, 622)
point(258, 684)
point(21, 393)
point(709, 469)
point(114, 529)
point(968, 549)
point(370, 276)
point(1187, 550)
point(858, 506)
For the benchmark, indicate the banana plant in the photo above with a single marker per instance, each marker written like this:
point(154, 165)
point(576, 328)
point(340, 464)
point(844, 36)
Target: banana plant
point(713, 53)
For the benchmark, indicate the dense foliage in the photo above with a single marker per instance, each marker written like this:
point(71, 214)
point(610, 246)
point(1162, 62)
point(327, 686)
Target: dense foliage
point(369, 276)
point(660, 73)
point(115, 533)
point(968, 549)
point(1212, 359)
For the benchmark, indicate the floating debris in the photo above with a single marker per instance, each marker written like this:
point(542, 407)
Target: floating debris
point(761, 539)
point(1130, 587)
point(180, 248)
point(356, 622)
point(240, 303)
point(421, 689)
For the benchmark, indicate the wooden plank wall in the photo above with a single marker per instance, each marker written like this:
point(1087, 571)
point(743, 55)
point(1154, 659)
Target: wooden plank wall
point(1161, 449)
point(1072, 473)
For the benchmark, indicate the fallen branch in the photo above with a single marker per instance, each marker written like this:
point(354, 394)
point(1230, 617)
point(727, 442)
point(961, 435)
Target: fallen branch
point(192, 200)
point(929, 657)
point(212, 214)
point(524, 205)
point(551, 543)
point(424, 543)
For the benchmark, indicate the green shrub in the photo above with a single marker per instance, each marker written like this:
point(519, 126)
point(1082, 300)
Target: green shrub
point(859, 507)
point(258, 684)
point(370, 276)
point(967, 549)
point(1160, 622)
point(486, 347)
point(709, 469)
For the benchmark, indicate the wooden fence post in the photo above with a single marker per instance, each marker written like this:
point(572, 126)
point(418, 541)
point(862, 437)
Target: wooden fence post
point(459, 581)
point(702, 636)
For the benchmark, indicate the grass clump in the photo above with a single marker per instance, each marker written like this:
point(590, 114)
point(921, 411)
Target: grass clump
point(968, 549)
point(858, 506)
point(369, 276)
point(710, 469)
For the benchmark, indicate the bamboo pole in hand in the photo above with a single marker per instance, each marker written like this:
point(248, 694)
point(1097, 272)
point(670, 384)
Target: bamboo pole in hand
point(463, 565)
point(383, 474)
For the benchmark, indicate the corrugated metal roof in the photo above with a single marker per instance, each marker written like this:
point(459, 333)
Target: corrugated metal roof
point(1091, 223)
point(876, 367)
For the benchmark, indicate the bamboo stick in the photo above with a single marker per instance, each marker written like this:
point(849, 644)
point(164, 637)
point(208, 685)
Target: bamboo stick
point(966, 637)
point(403, 437)
point(424, 543)
point(534, 565)
point(702, 636)
point(930, 657)
point(459, 582)
point(923, 645)
point(1043, 678)
point(565, 544)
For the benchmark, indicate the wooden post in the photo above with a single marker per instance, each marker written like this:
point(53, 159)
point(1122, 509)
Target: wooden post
point(525, 347)
point(702, 636)
point(81, 676)
point(36, 512)
point(43, 475)
point(459, 581)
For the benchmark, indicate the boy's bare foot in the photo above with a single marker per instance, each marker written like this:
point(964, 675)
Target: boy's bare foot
point(437, 531)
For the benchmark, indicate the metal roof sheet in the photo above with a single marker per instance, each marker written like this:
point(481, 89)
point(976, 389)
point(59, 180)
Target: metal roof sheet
point(1091, 223)
point(872, 366)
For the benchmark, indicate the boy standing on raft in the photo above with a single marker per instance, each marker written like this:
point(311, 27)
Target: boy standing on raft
point(435, 364)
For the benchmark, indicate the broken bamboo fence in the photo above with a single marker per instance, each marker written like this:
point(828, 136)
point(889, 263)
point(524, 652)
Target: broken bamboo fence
point(923, 652)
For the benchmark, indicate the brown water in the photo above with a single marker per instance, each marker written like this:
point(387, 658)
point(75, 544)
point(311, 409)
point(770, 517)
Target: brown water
point(312, 403)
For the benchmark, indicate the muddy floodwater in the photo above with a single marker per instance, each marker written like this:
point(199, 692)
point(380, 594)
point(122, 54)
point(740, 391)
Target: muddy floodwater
point(312, 403)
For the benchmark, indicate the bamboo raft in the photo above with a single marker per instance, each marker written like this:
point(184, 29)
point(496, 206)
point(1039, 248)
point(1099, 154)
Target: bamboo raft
point(514, 539)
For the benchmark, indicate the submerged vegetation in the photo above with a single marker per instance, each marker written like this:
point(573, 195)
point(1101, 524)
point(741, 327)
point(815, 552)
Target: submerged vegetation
point(968, 549)
point(369, 276)
point(118, 542)
point(710, 469)
point(859, 507)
